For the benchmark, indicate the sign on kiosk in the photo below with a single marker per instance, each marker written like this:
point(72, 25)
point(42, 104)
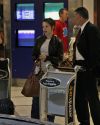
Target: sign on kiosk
point(50, 82)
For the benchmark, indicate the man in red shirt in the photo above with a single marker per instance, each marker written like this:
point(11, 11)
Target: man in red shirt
point(61, 28)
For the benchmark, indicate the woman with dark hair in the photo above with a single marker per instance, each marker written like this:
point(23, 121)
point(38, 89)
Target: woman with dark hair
point(48, 49)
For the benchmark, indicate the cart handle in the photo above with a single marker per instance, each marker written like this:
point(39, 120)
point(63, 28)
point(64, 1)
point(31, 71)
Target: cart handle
point(5, 74)
point(48, 66)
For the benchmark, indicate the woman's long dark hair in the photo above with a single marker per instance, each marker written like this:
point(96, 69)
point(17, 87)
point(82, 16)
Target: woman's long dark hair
point(50, 21)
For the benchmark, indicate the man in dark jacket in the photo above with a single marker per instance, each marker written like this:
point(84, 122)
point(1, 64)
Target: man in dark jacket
point(87, 58)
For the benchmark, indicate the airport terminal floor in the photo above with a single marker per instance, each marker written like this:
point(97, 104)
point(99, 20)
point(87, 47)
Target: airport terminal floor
point(20, 25)
point(23, 105)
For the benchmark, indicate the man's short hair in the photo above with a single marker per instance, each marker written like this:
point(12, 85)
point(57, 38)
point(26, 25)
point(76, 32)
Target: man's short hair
point(62, 10)
point(82, 11)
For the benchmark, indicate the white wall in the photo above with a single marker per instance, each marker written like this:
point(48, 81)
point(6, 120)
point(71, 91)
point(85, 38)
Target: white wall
point(89, 4)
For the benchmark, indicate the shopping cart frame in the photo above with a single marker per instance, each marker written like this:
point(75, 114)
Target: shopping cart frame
point(70, 95)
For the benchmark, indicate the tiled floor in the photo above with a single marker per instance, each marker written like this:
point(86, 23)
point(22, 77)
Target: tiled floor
point(23, 105)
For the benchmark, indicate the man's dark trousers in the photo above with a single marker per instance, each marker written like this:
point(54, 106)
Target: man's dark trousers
point(86, 93)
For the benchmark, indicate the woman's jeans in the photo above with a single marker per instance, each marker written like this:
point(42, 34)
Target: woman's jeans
point(35, 110)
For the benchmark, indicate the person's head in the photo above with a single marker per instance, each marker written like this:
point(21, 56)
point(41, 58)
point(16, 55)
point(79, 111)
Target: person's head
point(81, 15)
point(63, 14)
point(48, 26)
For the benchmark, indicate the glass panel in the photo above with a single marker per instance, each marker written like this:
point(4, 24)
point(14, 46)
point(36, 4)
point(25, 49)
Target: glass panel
point(52, 9)
point(25, 38)
point(72, 5)
point(25, 11)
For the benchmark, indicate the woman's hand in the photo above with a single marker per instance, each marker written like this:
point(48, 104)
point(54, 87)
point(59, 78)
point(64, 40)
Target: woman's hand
point(37, 62)
point(42, 57)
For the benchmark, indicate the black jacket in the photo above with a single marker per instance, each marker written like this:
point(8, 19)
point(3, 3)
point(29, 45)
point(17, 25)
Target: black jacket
point(55, 49)
point(89, 46)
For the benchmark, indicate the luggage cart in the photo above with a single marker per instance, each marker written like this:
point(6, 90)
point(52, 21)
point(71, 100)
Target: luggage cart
point(4, 78)
point(57, 94)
